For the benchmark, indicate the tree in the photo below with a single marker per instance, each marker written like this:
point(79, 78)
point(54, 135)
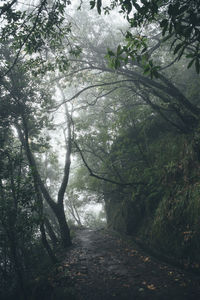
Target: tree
point(58, 208)
point(24, 109)
point(20, 216)
point(122, 92)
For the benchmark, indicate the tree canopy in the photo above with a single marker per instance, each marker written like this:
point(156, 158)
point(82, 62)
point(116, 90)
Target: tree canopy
point(178, 22)
point(95, 111)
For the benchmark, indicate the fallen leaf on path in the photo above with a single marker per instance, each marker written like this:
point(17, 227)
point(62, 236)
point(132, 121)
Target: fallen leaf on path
point(146, 259)
point(133, 252)
point(151, 287)
point(170, 273)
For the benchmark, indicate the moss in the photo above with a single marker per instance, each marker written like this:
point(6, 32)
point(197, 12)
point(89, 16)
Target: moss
point(165, 211)
point(175, 228)
point(167, 219)
point(116, 216)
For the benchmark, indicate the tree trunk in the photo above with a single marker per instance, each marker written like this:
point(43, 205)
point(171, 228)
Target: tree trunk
point(58, 207)
point(46, 244)
point(51, 232)
point(64, 228)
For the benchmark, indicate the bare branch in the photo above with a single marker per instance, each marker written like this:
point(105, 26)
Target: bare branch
point(87, 88)
point(97, 98)
point(103, 178)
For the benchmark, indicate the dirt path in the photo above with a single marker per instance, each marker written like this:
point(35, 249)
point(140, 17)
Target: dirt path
point(100, 266)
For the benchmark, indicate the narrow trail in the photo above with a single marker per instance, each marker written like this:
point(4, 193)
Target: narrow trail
point(101, 266)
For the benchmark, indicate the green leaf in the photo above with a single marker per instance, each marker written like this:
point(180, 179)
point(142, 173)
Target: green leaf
point(92, 4)
point(197, 65)
point(181, 52)
point(119, 50)
point(190, 63)
point(99, 6)
point(117, 63)
point(111, 53)
point(191, 55)
point(163, 23)
point(170, 27)
point(144, 49)
point(178, 47)
point(137, 7)
point(127, 6)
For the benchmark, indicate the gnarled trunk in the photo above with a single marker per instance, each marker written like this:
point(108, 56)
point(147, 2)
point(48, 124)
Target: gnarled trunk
point(64, 228)
point(57, 207)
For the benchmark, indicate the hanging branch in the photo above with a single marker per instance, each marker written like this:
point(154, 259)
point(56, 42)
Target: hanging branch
point(87, 88)
point(103, 178)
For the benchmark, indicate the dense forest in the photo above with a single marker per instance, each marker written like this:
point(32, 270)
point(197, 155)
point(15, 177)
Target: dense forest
point(99, 107)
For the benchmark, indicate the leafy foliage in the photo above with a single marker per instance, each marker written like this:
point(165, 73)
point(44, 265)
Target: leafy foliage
point(135, 131)
point(178, 21)
point(20, 219)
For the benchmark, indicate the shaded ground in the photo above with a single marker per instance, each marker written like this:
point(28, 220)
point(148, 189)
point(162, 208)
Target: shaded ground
point(102, 266)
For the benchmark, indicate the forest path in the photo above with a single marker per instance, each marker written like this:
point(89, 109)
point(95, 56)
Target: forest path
point(100, 266)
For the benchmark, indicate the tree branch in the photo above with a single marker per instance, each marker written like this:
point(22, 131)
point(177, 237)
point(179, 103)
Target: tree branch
point(103, 178)
point(87, 88)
